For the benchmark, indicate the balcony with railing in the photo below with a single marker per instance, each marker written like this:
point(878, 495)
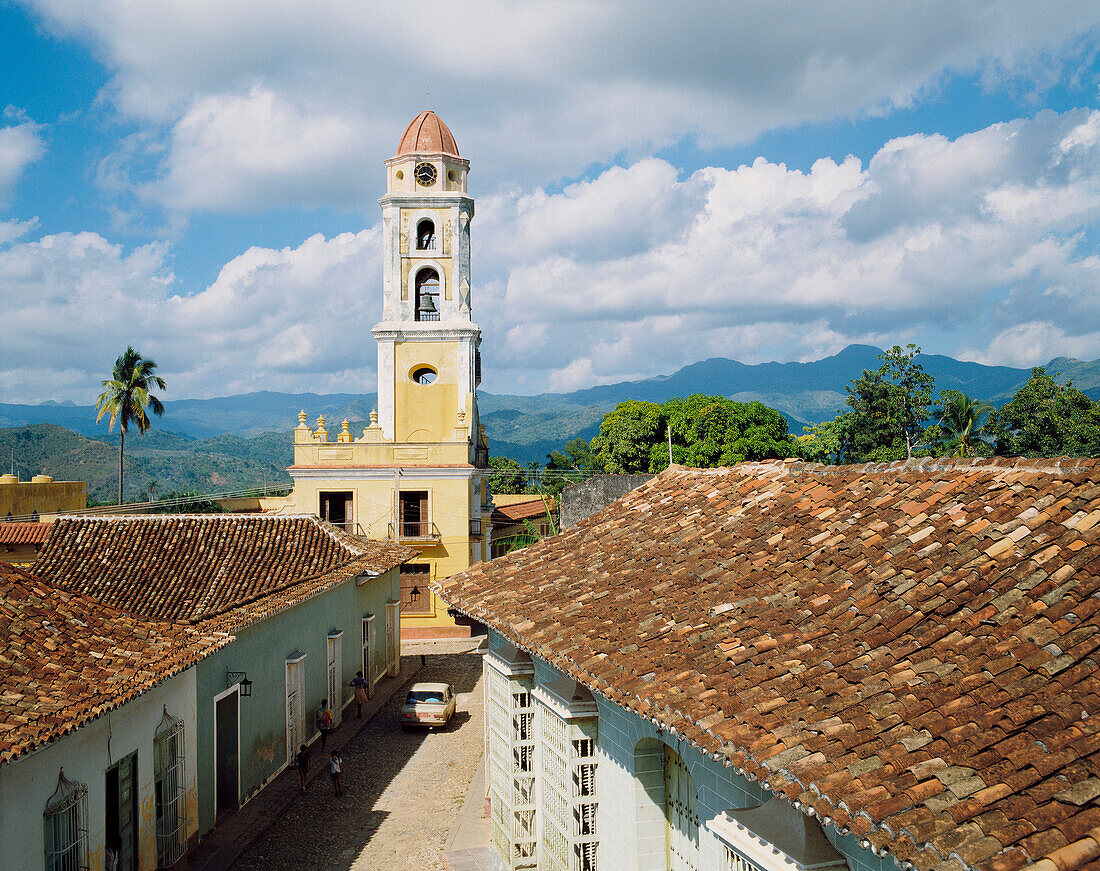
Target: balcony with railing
point(414, 532)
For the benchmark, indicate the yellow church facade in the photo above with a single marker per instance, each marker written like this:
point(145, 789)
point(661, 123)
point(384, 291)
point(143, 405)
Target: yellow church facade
point(418, 473)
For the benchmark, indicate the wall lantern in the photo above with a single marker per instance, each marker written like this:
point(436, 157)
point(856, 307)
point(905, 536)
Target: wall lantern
point(414, 594)
point(240, 677)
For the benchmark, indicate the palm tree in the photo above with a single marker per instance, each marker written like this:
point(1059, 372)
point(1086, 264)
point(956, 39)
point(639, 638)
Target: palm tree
point(125, 397)
point(961, 422)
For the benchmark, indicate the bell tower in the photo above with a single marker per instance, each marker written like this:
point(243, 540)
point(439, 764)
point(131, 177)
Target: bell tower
point(428, 358)
point(418, 474)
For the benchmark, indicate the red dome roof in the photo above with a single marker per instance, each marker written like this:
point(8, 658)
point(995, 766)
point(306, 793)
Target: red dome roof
point(427, 134)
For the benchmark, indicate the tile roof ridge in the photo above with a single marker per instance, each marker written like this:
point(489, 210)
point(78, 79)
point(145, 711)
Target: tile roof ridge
point(1036, 465)
point(224, 516)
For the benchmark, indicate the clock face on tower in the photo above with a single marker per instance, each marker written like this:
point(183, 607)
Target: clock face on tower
point(425, 174)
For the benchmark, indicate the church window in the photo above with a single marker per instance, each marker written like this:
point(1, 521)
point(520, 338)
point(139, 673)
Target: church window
point(424, 375)
point(425, 235)
point(427, 291)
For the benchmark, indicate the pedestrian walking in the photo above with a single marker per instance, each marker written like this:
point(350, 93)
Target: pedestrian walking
point(324, 722)
point(360, 686)
point(302, 761)
point(336, 772)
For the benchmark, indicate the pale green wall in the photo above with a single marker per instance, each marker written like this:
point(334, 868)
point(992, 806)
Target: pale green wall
point(261, 650)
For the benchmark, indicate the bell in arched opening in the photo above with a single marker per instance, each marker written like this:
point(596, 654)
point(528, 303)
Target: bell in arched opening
point(427, 288)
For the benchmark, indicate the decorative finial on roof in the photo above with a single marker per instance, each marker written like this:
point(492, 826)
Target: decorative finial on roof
point(302, 417)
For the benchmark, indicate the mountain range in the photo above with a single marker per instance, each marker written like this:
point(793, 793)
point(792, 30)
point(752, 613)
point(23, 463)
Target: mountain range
point(243, 441)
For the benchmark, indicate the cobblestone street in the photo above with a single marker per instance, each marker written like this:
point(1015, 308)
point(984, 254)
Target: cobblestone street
point(403, 790)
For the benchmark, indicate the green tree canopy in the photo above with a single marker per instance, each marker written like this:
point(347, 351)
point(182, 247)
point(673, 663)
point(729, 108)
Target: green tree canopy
point(508, 476)
point(889, 408)
point(820, 443)
point(628, 434)
point(125, 397)
point(960, 427)
point(575, 462)
point(710, 431)
point(707, 431)
point(1047, 419)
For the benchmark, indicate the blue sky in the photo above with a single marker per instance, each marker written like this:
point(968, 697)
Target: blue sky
point(758, 181)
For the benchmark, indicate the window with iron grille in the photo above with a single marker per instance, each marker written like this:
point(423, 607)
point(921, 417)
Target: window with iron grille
point(169, 778)
point(66, 826)
point(511, 756)
point(570, 803)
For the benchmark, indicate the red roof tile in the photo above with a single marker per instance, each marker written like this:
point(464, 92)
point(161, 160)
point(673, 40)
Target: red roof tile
point(23, 533)
point(67, 659)
point(200, 567)
point(520, 511)
point(907, 649)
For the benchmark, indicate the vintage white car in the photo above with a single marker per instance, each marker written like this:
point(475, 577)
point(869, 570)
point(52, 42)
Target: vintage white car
point(428, 704)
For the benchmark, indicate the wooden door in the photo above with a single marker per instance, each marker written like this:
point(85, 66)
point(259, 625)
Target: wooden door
point(295, 709)
point(226, 760)
point(121, 811)
point(335, 684)
point(368, 654)
point(681, 813)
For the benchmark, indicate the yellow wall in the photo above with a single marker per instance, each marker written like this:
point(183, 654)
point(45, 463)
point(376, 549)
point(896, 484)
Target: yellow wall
point(42, 494)
point(425, 412)
point(374, 510)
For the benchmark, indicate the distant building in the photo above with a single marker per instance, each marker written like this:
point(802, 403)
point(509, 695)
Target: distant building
point(40, 498)
point(21, 542)
point(520, 519)
point(301, 606)
point(784, 666)
point(418, 473)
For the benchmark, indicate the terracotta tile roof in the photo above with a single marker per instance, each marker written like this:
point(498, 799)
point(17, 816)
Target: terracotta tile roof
point(23, 533)
point(520, 511)
point(908, 650)
point(192, 568)
point(66, 659)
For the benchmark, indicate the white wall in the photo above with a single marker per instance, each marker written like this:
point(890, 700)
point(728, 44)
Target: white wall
point(27, 783)
point(630, 838)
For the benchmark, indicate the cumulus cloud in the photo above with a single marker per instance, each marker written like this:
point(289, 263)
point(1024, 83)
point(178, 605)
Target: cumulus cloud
point(279, 100)
point(634, 273)
point(949, 239)
point(294, 319)
point(21, 143)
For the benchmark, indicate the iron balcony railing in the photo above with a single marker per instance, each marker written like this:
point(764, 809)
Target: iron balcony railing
point(414, 531)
